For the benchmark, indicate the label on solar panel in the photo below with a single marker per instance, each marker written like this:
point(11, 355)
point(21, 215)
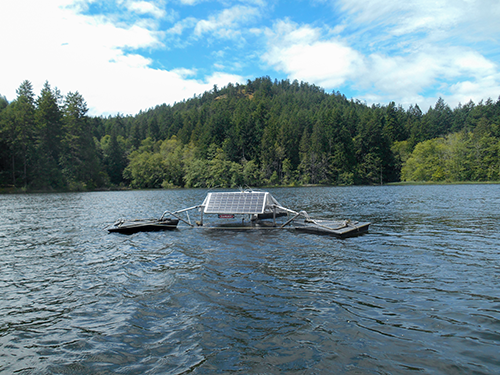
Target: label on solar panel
point(235, 203)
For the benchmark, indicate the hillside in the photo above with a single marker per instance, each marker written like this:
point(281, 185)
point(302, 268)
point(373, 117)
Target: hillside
point(262, 133)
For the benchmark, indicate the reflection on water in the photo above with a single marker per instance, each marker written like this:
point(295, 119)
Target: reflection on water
point(419, 292)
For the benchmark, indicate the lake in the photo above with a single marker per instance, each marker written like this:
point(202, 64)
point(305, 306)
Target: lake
point(419, 293)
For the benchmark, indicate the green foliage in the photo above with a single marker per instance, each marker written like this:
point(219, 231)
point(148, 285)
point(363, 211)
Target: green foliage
point(426, 163)
point(145, 170)
point(260, 133)
point(48, 118)
point(48, 144)
point(79, 158)
point(114, 154)
point(3, 103)
point(457, 157)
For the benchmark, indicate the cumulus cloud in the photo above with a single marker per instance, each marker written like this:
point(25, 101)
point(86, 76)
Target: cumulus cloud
point(391, 50)
point(436, 54)
point(226, 23)
point(143, 7)
point(144, 88)
point(378, 50)
point(67, 49)
point(299, 52)
point(92, 55)
point(447, 70)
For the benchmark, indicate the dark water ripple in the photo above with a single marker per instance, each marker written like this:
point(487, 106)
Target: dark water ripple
point(418, 294)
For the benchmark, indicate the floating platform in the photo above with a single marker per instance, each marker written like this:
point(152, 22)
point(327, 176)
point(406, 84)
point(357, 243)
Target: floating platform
point(243, 210)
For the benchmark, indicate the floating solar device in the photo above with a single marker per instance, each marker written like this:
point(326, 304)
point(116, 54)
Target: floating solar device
point(259, 206)
point(235, 203)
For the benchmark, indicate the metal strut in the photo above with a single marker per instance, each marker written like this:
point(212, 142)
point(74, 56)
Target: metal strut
point(175, 214)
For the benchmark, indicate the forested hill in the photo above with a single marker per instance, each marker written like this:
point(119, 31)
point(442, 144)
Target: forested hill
point(262, 133)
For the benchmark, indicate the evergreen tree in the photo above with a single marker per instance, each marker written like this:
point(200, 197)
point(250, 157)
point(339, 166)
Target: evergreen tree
point(264, 132)
point(3, 103)
point(79, 159)
point(114, 156)
point(22, 130)
point(49, 129)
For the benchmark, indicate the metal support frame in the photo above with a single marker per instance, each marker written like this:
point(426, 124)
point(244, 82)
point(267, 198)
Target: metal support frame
point(176, 214)
point(297, 214)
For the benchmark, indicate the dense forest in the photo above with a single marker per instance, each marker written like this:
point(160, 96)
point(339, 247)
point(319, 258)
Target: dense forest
point(262, 133)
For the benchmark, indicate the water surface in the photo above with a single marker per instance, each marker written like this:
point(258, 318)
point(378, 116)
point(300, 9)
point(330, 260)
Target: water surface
point(420, 293)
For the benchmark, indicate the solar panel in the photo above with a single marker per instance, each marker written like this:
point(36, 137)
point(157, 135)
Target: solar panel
point(235, 203)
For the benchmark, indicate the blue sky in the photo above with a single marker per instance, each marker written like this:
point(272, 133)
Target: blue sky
point(124, 56)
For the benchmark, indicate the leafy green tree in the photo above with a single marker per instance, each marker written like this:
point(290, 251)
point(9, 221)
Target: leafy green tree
point(196, 173)
point(414, 126)
point(426, 162)
point(251, 174)
point(456, 162)
point(5, 143)
point(483, 156)
point(172, 152)
point(462, 117)
point(371, 169)
point(145, 170)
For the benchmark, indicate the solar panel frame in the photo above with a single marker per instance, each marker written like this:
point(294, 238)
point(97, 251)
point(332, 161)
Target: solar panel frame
point(235, 203)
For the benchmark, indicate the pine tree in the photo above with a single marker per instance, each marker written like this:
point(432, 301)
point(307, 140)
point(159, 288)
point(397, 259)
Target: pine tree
point(23, 128)
point(49, 133)
point(79, 159)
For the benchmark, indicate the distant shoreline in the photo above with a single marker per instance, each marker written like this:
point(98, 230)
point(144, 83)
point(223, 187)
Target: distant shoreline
point(444, 183)
point(12, 190)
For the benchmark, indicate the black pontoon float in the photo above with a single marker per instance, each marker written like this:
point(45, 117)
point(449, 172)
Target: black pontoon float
point(142, 225)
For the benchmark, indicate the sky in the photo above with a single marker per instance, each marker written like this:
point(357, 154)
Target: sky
point(124, 56)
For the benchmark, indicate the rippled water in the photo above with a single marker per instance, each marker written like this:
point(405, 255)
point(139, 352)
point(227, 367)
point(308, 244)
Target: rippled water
point(420, 293)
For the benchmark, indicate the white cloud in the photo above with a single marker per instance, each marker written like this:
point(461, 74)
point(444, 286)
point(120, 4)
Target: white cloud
point(133, 61)
point(180, 26)
point(184, 73)
point(381, 50)
point(145, 87)
point(51, 41)
point(476, 91)
point(395, 50)
point(456, 73)
point(143, 7)
point(471, 62)
point(221, 79)
point(226, 23)
point(449, 70)
point(440, 19)
point(299, 52)
point(189, 2)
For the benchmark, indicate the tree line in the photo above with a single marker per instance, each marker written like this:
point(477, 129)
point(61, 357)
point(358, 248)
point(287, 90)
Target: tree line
point(261, 133)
